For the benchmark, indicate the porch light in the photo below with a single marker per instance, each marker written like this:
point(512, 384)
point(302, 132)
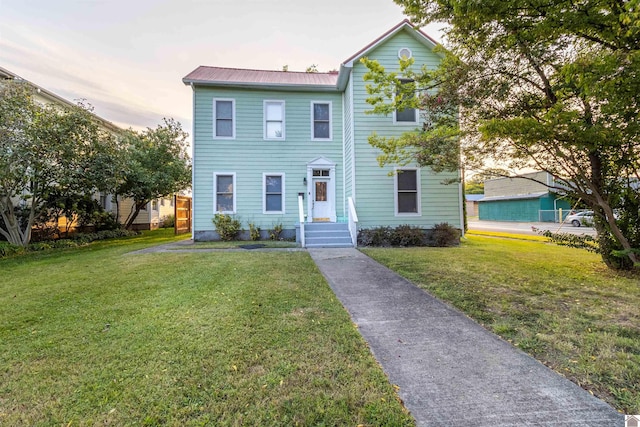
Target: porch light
point(304, 181)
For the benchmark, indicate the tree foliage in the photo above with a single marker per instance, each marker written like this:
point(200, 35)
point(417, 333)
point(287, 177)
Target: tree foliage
point(45, 150)
point(540, 84)
point(156, 164)
point(473, 186)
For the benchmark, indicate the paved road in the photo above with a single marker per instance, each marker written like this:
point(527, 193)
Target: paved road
point(526, 227)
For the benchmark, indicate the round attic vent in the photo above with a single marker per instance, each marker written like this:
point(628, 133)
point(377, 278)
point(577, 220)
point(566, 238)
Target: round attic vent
point(405, 52)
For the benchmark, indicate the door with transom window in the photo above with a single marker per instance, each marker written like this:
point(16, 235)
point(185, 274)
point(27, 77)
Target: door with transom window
point(321, 190)
point(320, 197)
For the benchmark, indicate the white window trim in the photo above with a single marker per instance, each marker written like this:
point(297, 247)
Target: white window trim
point(418, 188)
point(403, 123)
point(264, 193)
point(313, 138)
point(264, 119)
point(233, 118)
point(215, 192)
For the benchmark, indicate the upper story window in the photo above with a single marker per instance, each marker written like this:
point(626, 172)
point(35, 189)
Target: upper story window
point(407, 192)
point(224, 118)
point(408, 115)
point(273, 119)
point(321, 120)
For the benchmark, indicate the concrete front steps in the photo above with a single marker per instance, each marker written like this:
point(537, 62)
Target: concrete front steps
point(327, 235)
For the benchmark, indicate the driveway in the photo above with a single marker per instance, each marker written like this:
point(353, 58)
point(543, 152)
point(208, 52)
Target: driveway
point(526, 227)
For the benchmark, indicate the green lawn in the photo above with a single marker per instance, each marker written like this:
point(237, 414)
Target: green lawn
point(238, 243)
point(559, 304)
point(94, 336)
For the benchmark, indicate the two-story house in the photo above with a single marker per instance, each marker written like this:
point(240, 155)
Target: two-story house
point(290, 148)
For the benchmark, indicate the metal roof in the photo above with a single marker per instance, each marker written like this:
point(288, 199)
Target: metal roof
point(292, 80)
point(473, 197)
point(219, 76)
point(516, 197)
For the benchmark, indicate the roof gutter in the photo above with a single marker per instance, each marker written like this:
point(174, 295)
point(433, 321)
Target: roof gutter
point(343, 77)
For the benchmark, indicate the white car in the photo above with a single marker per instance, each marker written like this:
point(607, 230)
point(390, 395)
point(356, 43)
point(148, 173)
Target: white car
point(580, 219)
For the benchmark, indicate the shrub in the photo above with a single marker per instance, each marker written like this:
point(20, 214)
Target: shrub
point(254, 232)
point(276, 231)
point(168, 221)
point(572, 240)
point(227, 227)
point(379, 236)
point(103, 220)
point(408, 235)
point(9, 250)
point(445, 235)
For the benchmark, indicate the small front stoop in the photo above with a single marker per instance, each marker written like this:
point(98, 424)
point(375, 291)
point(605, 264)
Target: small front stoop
point(327, 235)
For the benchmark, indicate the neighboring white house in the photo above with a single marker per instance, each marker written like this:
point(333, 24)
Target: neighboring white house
point(155, 211)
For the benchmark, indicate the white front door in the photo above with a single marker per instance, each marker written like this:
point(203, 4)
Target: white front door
point(321, 200)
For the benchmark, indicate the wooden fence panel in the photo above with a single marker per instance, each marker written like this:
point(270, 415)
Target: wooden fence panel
point(183, 214)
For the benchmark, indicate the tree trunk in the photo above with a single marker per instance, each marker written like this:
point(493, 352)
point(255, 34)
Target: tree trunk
point(604, 207)
point(134, 215)
point(12, 232)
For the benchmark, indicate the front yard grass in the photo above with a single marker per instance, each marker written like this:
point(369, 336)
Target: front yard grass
point(559, 304)
point(95, 336)
point(236, 244)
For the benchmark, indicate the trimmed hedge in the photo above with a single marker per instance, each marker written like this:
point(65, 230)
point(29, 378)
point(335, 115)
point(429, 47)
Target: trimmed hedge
point(441, 235)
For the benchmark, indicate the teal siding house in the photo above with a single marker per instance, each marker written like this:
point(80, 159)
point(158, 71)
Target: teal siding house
point(289, 148)
point(531, 197)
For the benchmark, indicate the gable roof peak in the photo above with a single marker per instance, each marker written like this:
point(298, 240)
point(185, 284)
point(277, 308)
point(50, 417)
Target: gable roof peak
point(405, 25)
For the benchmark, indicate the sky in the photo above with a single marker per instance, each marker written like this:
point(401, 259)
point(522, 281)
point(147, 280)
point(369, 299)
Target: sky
point(127, 58)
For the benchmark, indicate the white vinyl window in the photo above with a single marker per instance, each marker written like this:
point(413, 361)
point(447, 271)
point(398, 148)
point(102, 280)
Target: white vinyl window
point(407, 191)
point(408, 115)
point(274, 120)
point(224, 192)
point(321, 121)
point(224, 118)
point(273, 193)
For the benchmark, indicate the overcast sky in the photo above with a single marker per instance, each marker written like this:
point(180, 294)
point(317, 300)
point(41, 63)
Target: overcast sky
point(128, 58)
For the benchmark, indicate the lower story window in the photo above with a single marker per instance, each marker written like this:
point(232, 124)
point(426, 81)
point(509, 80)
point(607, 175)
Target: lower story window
point(224, 200)
point(407, 191)
point(273, 193)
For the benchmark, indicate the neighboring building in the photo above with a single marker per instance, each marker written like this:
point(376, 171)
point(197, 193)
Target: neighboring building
point(264, 139)
point(472, 201)
point(529, 197)
point(149, 218)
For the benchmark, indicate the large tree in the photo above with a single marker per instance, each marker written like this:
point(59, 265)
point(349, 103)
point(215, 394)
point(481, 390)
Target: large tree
point(156, 165)
point(549, 85)
point(45, 149)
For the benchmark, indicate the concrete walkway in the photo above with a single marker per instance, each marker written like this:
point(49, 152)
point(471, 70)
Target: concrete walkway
point(450, 370)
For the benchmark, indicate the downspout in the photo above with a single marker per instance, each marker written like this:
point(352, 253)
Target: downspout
point(461, 200)
point(344, 169)
point(193, 163)
point(353, 137)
